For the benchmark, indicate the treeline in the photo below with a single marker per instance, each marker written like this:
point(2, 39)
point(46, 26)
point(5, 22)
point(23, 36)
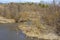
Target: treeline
point(12, 10)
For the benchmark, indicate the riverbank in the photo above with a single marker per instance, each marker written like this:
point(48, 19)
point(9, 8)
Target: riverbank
point(5, 20)
point(32, 31)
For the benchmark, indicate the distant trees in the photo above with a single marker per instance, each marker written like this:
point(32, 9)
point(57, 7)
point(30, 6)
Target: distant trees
point(43, 5)
point(10, 10)
point(14, 9)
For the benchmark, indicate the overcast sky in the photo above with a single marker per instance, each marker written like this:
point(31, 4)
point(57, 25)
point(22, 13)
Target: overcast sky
point(24, 1)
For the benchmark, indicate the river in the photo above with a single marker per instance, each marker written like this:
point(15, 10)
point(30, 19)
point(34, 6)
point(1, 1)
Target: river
point(9, 32)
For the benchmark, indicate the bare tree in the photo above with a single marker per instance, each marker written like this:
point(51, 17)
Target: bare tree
point(54, 2)
point(54, 6)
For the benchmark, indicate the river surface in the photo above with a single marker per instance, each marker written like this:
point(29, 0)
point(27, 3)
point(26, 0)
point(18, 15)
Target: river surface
point(9, 32)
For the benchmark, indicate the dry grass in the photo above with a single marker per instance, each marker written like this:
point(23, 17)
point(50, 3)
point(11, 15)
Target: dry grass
point(34, 27)
point(34, 20)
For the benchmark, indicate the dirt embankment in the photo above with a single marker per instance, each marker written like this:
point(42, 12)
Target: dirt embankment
point(5, 20)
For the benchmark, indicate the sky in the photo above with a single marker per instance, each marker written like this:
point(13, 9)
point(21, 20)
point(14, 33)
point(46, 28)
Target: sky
point(22, 0)
point(36, 0)
point(6, 1)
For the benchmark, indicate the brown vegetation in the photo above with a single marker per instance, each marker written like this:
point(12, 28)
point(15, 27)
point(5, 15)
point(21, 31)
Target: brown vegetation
point(39, 18)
